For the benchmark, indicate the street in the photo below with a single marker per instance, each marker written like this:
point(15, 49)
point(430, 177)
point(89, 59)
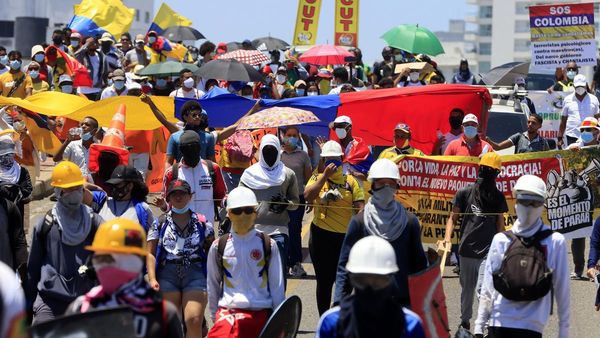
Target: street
point(583, 314)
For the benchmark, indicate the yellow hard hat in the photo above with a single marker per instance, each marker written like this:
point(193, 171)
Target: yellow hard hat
point(66, 174)
point(120, 235)
point(492, 160)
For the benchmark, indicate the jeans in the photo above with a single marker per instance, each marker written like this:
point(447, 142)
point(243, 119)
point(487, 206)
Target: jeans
point(471, 277)
point(295, 230)
point(231, 180)
point(282, 241)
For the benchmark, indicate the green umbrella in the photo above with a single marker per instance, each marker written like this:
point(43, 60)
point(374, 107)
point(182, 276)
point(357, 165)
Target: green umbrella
point(413, 39)
point(168, 68)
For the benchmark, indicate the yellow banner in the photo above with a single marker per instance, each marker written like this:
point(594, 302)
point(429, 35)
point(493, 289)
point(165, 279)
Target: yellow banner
point(346, 23)
point(307, 22)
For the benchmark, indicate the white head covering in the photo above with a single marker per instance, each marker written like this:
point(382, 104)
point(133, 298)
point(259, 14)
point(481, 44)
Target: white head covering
point(262, 176)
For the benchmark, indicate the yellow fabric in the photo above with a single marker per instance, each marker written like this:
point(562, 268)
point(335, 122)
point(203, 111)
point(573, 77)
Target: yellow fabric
point(390, 153)
point(49, 103)
point(8, 79)
point(167, 17)
point(335, 216)
point(39, 87)
point(111, 15)
point(178, 52)
point(43, 139)
point(120, 235)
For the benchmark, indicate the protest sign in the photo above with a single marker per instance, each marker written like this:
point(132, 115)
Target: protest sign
point(428, 185)
point(346, 23)
point(307, 22)
point(549, 107)
point(561, 33)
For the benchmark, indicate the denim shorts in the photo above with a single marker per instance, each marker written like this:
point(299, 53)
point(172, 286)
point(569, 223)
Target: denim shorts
point(193, 280)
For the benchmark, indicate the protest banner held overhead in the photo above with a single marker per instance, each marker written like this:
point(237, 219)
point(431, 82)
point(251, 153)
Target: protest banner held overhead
point(346, 23)
point(307, 22)
point(561, 33)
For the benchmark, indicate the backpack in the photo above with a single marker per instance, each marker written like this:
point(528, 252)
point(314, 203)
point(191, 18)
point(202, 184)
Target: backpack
point(266, 243)
point(239, 146)
point(524, 274)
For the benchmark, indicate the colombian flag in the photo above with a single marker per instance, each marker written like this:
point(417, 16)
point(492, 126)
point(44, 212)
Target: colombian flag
point(163, 49)
point(94, 17)
point(167, 17)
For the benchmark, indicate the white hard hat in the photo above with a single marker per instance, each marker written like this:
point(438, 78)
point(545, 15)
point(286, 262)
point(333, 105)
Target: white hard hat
point(470, 118)
point(241, 197)
point(331, 149)
point(372, 255)
point(343, 119)
point(384, 168)
point(64, 78)
point(530, 187)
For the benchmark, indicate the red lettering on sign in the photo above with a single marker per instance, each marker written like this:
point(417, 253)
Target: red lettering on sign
point(346, 2)
point(307, 23)
point(346, 24)
point(346, 13)
point(308, 11)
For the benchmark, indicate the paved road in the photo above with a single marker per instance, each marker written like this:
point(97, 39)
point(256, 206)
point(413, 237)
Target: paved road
point(583, 315)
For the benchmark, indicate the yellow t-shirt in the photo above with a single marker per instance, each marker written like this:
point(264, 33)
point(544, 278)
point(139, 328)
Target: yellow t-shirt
point(390, 153)
point(39, 87)
point(336, 216)
point(7, 81)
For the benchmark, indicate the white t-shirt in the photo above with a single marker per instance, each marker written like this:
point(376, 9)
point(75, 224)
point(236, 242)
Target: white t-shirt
point(78, 154)
point(576, 111)
point(95, 61)
point(110, 91)
point(192, 94)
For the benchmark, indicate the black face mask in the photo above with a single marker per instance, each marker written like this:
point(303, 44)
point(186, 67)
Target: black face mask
point(57, 40)
point(107, 162)
point(118, 193)
point(269, 154)
point(191, 153)
point(106, 46)
point(488, 175)
point(455, 122)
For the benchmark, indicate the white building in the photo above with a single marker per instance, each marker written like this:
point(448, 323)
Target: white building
point(501, 30)
point(455, 48)
point(59, 14)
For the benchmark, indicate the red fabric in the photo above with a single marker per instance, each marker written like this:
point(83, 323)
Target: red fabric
point(459, 147)
point(358, 152)
point(325, 55)
point(426, 109)
point(78, 72)
point(238, 323)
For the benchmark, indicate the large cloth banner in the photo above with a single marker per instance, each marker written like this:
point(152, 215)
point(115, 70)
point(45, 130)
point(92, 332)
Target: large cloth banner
point(346, 23)
point(428, 185)
point(549, 107)
point(307, 22)
point(561, 33)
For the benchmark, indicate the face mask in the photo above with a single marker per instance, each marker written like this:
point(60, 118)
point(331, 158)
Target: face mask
point(248, 97)
point(528, 215)
point(4, 60)
point(191, 154)
point(34, 74)
point(183, 210)
point(119, 193)
point(75, 43)
point(398, 57)
point(57, 40)
point(71, 200)
point(587, 136)
point(580, 91)
point(383, 196)
point(401, 143)
point(269, 154)
point(470, 131)
point(300, 92)
point(15, 64)
point(337, 163)
point(161, 83)
point(39, 57)
point(312, 94)
point(488, 174)
point(68, 89)
point(86, 136)
point(291, 141)
point(280, 79)
point(188, 83)
point(571, 74)
point(119, 84)
point(7, 161)
point(455, 122)
point(151, 39)
point(123, 270)
point(243, 221)
point(414, 76)
point(341, 133)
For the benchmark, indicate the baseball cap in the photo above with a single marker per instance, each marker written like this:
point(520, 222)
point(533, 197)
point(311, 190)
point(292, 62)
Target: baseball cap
point(298, 83)
point(106, 36)
point(37, 49)
point(403, 127)
point(579, 81)
point(470, 118)
point(64, 78)
point(139, 38)
point(118, 74)
point(125, 173)
point(589, 122)
point(178, 185)
point(343, 119)
point(281, 70)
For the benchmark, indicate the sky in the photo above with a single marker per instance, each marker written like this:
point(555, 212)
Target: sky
point(236, 20)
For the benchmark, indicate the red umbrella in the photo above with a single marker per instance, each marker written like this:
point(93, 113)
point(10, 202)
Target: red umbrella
point(325, 55)
point(251, 57)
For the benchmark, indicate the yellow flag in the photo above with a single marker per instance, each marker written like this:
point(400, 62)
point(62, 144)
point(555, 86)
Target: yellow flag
point(166, 17)
point(93, 17)
point(346, 23)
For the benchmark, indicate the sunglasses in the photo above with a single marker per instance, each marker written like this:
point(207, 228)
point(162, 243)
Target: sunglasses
point(591, 130)
point(575, 69)
point(245, 210)
point(530, 203)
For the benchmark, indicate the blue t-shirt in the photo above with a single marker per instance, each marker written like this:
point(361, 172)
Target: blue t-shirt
point(207, 145)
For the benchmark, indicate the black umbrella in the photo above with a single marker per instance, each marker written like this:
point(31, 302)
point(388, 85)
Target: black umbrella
point(506, 74)
point(230, 70)
point(236, 45)
point(181, 33)
point(270, 43)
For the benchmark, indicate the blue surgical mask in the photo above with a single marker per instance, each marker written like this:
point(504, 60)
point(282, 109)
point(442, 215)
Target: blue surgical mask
point(110, 82)
point(75, 43)
point(587, 136)
point(470, 131)
point(336, 162)
point(571, 74)
point(15, 64)
point(119, 84)
point(182, 210)
point(34, 74)
point(161, 83)
point(300, 92)
point(68, 89)
point(4, 60)
point(292, 141)
point(86, 136)
point(151, 39)
point(38, 57)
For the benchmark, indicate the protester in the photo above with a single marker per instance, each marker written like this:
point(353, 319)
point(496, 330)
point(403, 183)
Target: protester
point(161, 86)
point(125, 44)
point(300, 87)
point(117, 88)
point(385, 68)
point(455, 120)
point(119, 250)
point(12, 305)
point(76, 147)
point(15, 181)
point(281, 81)
point(526, 142)
point(337, 197)
point(245, 277)
point(470, 143)
point(515, 318)
point(590, 131)
point(65, 84)
point(3, 60)
point(75, 43)
point(576, 107)
point(567, 85)
point(97, 65)
point(196, 119)
point(58, 248)
point(13, 246)
point(207, 52)
point(371, 311)
point(15, 83)
point(178, 243)
point(522, 86)
point(58, 39)
point(295, 158)
point(412, 80)
point(187, 86)
point(138, 55)
point(340, 77)
point(464, 75)
point(33, 70)
point(384, 217)
point(113, 60)
point(402, 137)
point(357, 155)
point(481, 206)
point(39, 55)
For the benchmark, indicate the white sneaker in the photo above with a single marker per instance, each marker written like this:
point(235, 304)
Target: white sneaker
point(298, 271)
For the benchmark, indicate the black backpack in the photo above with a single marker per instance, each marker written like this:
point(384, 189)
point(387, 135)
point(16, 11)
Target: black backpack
point(524, 274)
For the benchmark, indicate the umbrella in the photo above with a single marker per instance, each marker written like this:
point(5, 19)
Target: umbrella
point(506, 74)
point(168, 68)
point(413, 39)
point(231, 46)
point(180, 33)
point(277, 117)
point(270, 43)
point(230, 70)
point(325, 55)
point(251, 57)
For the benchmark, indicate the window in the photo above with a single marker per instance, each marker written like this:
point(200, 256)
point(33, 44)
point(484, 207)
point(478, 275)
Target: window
point(485, 30)
point(484, 67)
point(485, 48)
point(137, 15)
point(147, 17)
point(521, 26)
point(522, 7)
point(485, 12)
point(522, 45)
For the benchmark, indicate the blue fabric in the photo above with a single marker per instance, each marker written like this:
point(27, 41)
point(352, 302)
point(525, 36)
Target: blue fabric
point(100, 197)
point(594, 245)
point(193, 280)
point(156, 28)
point(225, 108)
point(207, 145)
point(85, 26)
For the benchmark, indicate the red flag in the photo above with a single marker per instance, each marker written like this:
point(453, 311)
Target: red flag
point(427, 299)
point(78, 72)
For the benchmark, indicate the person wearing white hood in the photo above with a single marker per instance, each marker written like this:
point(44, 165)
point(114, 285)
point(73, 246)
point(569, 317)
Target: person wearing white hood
point(517, 317)
point(276, 189)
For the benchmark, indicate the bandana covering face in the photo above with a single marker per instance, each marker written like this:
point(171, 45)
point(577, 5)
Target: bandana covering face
point(262, 175)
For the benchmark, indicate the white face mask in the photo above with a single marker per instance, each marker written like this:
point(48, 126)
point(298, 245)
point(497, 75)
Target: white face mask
point(528, 216)
point(341, 133)
point(312, 94)
point(414, 76)
point(280, 79)
point(580, 91)
point(188, 83)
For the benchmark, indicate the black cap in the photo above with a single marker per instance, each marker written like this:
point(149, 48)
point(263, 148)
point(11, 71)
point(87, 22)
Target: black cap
point(125, 173)
point(189, 137)
point(178, 185)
